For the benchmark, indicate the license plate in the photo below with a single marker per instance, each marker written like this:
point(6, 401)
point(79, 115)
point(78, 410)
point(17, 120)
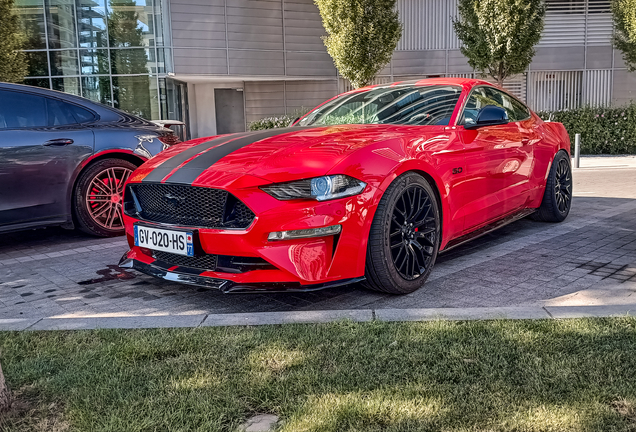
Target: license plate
point(177, 242)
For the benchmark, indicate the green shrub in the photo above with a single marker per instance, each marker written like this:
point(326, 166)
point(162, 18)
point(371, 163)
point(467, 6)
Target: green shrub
point(280, 121)
point(603, 130)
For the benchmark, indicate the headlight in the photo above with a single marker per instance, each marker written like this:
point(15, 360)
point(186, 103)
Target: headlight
point(319, 188)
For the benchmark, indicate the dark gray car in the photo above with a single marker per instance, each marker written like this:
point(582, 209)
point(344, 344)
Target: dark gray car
point(64, 159)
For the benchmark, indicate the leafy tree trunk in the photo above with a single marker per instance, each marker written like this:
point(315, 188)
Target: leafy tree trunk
point(362, 35)
point(498, 36)
point(5, 400)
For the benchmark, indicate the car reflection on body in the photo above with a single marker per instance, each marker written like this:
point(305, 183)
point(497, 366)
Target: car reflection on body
point(64, 159)
point(370, 186)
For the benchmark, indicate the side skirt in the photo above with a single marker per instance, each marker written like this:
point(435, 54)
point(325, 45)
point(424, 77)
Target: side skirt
point(513, 217)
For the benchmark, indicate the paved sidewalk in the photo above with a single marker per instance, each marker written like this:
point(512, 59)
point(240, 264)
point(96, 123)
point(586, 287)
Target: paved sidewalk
point(585, 266)
point(600, 162)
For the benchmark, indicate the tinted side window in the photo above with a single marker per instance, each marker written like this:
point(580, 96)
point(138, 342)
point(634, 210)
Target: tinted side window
point(81, 115)
point(515, 109)
point(521, 111)
point(21, 110)
point(479, 98)
point(59, 113)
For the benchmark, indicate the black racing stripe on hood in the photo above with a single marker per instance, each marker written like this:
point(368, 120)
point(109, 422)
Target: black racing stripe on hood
point(193, 169)
point(169, 165)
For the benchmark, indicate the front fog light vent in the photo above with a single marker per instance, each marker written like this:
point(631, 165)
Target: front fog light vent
point(305, 233)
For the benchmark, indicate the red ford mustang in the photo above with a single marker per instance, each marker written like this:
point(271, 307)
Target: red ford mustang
point(369, 186)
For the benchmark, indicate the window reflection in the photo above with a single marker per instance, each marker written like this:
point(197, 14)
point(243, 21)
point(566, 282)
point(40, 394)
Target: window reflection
point(38, 63)
point(67, 85)
point(76, 46)
point(130, 23)
point(31, 17)
point(61, 23)
point(92, 23)
point(136, 95)
point(97, 89)
point(37, 82)
point(94, 62)
point(64, 62)
point(129, 61)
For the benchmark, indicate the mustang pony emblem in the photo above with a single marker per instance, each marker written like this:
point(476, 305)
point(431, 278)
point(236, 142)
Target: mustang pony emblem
point(175, 201)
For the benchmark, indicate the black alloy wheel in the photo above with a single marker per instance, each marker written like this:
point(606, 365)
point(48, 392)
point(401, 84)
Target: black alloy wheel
point(563, 186)
point(557, 198)
point(412, 232)
point(98, 197)
point(404, 238)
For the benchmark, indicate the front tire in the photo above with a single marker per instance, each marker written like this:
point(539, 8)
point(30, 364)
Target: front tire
point(557, 198)
point(97, 199)
point(404, 237)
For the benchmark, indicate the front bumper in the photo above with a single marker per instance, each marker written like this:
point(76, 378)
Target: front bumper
point(224, 285)
point(292, 264)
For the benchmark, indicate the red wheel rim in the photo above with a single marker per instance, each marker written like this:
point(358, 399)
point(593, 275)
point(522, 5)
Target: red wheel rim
point(104, 197)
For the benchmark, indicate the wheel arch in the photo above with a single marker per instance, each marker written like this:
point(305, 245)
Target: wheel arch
point(382, 190)
point(431, 181)
point(123, 154)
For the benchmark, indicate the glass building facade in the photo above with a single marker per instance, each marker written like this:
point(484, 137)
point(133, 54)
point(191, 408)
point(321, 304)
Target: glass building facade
point(109, 51)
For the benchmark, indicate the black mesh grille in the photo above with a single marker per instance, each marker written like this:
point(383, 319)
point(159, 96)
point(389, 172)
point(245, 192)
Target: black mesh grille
point(204, 262)
point(221, 263)
point(187, 206)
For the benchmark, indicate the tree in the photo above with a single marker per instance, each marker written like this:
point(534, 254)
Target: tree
point(499, 36)
point(624, 12)
point(361, 36)
point(13, 65)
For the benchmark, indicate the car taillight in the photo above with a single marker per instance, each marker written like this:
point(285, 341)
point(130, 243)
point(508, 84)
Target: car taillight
point(169, 139)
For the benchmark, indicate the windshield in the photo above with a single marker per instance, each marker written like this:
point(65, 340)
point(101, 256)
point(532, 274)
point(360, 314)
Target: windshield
point(407, 105)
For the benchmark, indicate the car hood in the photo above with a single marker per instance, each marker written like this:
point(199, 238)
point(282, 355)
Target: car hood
point(273, 155)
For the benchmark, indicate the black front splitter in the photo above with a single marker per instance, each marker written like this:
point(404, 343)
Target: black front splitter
point(228, 286)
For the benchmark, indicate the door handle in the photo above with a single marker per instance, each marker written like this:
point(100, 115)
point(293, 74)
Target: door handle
point(525, 141)
point(59, 142)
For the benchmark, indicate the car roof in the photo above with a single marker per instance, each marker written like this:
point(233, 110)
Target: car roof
point(106, 112)
point(463, 82)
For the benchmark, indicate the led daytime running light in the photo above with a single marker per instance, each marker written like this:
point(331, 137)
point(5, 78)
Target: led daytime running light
point(305, 233)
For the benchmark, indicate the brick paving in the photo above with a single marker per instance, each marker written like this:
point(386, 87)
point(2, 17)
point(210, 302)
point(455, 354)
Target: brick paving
point(588, 259)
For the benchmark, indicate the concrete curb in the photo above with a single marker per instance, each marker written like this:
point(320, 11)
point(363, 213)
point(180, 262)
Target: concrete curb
point(309, 317)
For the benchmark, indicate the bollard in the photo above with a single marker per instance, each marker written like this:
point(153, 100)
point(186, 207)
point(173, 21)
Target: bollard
point(577, 150)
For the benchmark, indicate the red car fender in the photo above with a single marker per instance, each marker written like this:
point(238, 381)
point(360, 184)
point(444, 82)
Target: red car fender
point(371, 165)
point(87, 161)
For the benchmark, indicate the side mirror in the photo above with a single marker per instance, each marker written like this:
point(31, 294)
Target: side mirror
point(489, 115)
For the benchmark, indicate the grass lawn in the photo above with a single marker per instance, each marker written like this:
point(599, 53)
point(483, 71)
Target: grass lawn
point(565, 375)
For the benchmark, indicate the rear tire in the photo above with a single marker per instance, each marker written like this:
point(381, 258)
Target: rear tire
point(404, 237)
point(557, 198)
point(97, 199)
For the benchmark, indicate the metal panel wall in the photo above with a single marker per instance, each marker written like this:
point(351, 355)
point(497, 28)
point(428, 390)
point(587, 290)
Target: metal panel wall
point(198, 23)
point(264, 99)
point(274, 98)
point(577, 22)
point(598, 87)
point(554, 90)
point(427, 24)
point(283, 38)
point(303, 26)
point(305, 95)
point(255, 24)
